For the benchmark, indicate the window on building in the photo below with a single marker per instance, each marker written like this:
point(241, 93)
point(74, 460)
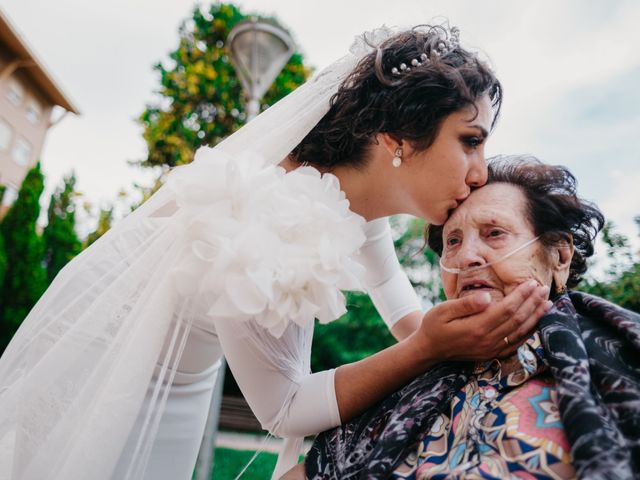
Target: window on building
point(34, 111)
point(15, 92)
point(5, 134)
point(21, 152)
point(10, 195)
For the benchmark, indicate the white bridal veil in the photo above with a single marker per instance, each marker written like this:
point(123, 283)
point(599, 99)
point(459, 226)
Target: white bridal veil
point(73, 379)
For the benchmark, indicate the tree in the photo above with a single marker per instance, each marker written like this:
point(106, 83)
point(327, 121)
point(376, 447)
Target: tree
point(3, 253)
point(25, 279)
point(105, 217)
point(356, 335)
point(624, 291)
point(419, 262)
point(61, 243)
point(622, 285)
point(202, 100)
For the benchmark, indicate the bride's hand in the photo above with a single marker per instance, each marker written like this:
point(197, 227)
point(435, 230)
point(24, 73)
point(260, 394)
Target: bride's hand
point(473, 328)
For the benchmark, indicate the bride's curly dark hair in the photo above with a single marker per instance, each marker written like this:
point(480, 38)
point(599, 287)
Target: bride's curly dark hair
point(409, 106)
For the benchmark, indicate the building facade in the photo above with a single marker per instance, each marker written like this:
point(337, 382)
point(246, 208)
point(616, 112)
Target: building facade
point(28, 96)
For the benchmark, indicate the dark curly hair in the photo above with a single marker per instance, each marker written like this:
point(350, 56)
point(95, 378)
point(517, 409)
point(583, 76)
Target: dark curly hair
point(554, 209)
point(410, 106)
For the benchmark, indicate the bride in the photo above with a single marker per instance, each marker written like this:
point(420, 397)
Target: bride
point(111, 374)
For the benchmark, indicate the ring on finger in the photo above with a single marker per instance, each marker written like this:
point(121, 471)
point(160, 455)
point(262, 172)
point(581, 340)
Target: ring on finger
point(506, 340)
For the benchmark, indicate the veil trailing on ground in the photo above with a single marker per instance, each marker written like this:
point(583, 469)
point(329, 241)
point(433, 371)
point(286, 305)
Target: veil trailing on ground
point(74, 377)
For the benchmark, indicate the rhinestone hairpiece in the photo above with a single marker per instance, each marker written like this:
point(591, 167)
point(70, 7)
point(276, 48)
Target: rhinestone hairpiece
point(442, 46)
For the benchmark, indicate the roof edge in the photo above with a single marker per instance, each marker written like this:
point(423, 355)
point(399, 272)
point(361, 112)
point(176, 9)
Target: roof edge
point(36, 70)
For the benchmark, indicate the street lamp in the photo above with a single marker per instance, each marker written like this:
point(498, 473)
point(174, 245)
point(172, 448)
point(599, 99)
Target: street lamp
point(258, 51)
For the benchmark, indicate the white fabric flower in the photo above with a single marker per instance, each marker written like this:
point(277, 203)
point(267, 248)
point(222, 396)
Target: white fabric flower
point(266, 244)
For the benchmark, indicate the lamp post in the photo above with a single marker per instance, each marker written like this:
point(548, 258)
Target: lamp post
point(258, 50)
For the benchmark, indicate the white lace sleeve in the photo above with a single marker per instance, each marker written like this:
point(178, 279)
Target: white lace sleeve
point(385, 281)
point(288, 401)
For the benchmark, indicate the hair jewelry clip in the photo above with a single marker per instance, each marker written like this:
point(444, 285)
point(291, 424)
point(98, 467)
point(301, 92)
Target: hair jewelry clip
point(447, 41)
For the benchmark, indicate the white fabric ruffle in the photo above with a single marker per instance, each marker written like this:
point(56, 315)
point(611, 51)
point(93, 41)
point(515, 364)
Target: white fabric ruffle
point(267, 245)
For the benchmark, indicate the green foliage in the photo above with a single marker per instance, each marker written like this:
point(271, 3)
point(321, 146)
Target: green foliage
point(61, 243)
point(618, 250)
point(622, 285)
point(202, 100)
point(419, 262)
point(105, 217)
point(356, 335)
point(3, 253)
point(229, 463)
point(623, 291)
point(25, 279)
point(4, 264)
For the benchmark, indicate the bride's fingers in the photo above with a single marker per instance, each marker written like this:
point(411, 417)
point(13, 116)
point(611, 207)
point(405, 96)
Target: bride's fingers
point(520, 322)
point(512, 346)
point(507, 323)
point(518, 314)
point(464, 307)
point(468, 329)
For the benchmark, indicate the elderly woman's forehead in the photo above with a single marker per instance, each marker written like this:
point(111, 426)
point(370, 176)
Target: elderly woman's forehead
point(503, 199)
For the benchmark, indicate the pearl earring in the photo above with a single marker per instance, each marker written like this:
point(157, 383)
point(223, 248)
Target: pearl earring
point(397, 159)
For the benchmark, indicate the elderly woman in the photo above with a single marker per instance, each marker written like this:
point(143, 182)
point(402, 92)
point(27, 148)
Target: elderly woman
point(566, 405)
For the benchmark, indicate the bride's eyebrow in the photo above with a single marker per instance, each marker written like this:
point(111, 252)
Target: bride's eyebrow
point(483, 131)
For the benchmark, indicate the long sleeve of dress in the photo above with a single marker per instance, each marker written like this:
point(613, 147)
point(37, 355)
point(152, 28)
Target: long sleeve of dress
point(309, 400)
point(385, 281)
point(286, 401)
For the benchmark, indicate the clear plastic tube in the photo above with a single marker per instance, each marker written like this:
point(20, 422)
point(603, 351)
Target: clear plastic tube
point(486, 265)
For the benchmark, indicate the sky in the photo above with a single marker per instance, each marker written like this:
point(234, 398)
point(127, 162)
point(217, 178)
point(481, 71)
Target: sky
point(570, 72)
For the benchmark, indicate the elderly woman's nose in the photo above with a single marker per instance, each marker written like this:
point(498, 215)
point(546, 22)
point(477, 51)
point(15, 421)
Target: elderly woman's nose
point(470, 254)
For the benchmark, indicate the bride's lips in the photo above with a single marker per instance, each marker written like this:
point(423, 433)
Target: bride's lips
point(457, 202)
point(460, 200)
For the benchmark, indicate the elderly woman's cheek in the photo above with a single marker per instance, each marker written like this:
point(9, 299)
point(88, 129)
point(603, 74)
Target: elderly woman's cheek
point(449, 281)
point(532, 269)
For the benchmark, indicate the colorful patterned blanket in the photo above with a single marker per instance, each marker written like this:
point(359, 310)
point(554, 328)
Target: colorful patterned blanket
point(592, 348)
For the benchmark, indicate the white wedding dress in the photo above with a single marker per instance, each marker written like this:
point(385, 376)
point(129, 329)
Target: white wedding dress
point(311, 407)
point(110, 374)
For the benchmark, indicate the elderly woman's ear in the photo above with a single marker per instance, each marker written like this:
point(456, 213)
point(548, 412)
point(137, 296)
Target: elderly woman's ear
point(561, 255)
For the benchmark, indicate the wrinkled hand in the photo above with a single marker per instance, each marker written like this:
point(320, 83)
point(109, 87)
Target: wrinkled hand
point(474, 328)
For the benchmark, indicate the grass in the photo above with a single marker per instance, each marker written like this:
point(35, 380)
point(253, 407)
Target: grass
point(228, 463)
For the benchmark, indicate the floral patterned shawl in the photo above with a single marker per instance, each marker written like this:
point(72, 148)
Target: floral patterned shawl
point(593, 349)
